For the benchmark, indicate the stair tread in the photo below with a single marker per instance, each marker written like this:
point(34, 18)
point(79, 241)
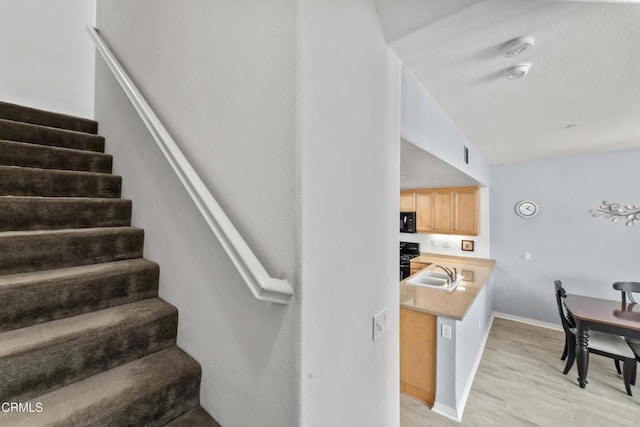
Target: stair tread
point(195, 417)
point(71, 272)
point(30, 181)
point(46, 135)
point(88, 231)
point(55, 148)
point(25, 339)
point(48, 213)
point(24, 114)
point(61, 131)
point(15, 153)
point(60, 171)
point(68, 199)
point(90, 401)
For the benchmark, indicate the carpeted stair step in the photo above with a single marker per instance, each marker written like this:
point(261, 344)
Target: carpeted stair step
point(23, 251)
point(44, 135)
point(146, 392)
point(41, 296)
point(47, 213)
point(46, 157)
point(18, 181)
point(20, 113)
point(195, 417)
point(41, 358)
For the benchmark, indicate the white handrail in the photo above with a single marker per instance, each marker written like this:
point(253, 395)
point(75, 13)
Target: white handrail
point(263, 286)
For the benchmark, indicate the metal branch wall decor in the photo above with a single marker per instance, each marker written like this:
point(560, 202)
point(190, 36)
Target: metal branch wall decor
point(616, 212)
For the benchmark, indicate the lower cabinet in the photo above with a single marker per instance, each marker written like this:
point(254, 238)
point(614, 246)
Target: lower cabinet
point(418, 355)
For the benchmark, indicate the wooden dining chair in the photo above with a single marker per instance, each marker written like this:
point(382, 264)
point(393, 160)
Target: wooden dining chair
point(600, 343)
point(627, 290)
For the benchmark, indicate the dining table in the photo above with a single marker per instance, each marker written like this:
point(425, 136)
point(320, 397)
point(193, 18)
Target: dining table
point(598, 314)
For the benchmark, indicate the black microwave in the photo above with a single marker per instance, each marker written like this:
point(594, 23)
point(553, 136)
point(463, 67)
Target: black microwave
point(407, 222)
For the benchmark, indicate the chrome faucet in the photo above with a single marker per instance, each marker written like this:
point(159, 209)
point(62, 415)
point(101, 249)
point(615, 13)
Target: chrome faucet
point(453, 275)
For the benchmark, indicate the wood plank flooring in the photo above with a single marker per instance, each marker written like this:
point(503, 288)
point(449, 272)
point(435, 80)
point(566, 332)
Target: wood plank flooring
point(520, 383)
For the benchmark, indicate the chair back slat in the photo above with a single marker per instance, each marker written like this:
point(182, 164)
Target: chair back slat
point(560, 295)
point(627, 289)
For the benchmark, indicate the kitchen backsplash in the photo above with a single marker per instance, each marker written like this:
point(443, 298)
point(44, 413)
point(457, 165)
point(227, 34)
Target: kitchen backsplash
point(448, 244)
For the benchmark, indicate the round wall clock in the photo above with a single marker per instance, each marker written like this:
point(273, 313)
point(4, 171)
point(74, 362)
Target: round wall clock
point(526, 209)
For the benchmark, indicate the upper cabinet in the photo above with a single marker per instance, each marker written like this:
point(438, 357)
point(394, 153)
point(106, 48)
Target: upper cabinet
point(407, 201)
point(424, 211)
point(444, 210)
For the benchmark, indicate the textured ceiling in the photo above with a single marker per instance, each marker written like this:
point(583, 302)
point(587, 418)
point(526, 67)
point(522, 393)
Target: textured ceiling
point(582, 94)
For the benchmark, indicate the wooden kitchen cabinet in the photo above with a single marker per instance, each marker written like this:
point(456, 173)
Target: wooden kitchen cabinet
point(424, 211)
point(466, 207)
point(444, 210)
point(407, 201)
point(418, 355)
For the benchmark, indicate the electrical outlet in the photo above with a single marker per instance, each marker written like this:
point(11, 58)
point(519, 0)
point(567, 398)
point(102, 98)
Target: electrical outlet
point(433, 243)
point(446, 331)
point(445, 243)
point(379, 324)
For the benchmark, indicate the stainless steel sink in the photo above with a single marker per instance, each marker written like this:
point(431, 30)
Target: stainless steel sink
point(434, 282)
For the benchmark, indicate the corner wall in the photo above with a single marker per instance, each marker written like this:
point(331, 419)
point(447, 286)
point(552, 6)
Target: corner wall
point(588, 254)
point(349, 128)
point(47, 55)
point(221, 77)
point(426, 125)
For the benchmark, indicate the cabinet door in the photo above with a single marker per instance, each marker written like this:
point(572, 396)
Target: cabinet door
point(418, 355)
point(466, 211)
point(424, 212)
point(407, 201)
point(443, 212)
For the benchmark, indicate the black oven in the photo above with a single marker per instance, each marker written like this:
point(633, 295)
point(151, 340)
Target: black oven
point(407, 222)
point(408, 250)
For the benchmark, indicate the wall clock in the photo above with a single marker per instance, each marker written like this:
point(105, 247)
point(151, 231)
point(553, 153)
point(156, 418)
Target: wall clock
point(526, 209)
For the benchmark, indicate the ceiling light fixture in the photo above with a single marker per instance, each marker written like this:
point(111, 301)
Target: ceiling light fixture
point(517, 71)
point(517, 46)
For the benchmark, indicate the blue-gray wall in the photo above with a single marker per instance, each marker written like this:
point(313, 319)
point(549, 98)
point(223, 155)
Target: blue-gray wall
point(588, 254)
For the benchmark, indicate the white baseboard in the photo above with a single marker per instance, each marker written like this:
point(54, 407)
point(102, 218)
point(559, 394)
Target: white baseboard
point(526, 320)
point(445, 411)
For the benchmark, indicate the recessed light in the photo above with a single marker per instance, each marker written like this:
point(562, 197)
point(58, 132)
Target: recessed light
point(517, 71)
point(517, 46)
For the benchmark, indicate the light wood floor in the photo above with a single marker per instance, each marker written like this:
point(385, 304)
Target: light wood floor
point(520, 383)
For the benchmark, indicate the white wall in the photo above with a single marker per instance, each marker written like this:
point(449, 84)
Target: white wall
point(221, 75)
point(350, 177)
point(425, 124)
point(458, 357)
point(276, 104)
point(588, 254)
point(434, 243)
point(47, 56)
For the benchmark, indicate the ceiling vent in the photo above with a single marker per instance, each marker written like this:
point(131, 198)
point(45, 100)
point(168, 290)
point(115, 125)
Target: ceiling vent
point(517, 46)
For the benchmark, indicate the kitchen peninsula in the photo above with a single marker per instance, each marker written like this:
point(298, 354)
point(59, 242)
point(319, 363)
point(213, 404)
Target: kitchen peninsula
point(442, 333)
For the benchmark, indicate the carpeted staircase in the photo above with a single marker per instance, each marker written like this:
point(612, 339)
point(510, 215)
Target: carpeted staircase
point(84, 338)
